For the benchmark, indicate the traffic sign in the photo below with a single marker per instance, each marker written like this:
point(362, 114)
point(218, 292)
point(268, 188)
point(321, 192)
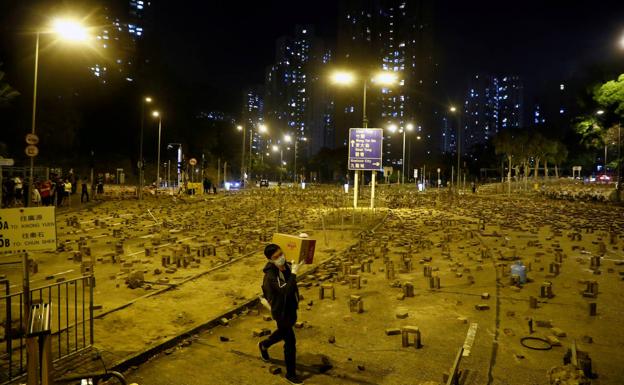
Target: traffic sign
point(32, 139)
point(192, 161)
point(365, 149)
point(6, 162)
point(27, 229)
point(31, 150)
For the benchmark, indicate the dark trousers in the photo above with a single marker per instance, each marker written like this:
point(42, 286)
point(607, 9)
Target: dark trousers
point(285, 333)
point(83, 195)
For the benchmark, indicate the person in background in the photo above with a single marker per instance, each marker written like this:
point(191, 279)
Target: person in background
point(85, 190)
point(45, 189)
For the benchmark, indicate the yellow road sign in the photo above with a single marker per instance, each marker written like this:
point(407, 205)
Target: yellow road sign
point(28, 229)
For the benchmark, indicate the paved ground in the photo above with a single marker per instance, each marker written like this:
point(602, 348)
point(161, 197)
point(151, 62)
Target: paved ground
point(436, 230)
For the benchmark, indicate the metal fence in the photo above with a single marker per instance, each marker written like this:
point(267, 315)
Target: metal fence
point(71, 313)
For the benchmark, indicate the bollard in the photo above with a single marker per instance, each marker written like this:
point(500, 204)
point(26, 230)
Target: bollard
point(592, 308)
point(408, 289)
point(532, 302)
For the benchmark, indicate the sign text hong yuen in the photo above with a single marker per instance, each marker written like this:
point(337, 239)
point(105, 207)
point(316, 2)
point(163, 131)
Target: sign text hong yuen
point(365, 149)
point(27, 229)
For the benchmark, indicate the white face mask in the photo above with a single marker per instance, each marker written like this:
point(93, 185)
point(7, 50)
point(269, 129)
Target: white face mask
point(279, 262)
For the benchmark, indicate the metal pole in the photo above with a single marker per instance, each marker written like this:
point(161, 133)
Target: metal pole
point(141, 150)
point(373, 179)
point(250, 143)
point(356, 178)
point(295, 163)
point(458, 148)
point(403, 160)
point(356, 181)
point(34, 116)
point(243, 159)
point(158, 157)
point(619, 165)
point(281, 163)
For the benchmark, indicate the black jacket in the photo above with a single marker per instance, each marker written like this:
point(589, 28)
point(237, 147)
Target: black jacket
point(282, 294)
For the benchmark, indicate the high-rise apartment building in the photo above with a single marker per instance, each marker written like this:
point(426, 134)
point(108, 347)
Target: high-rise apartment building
point(481, 111)
point(253, 117)
point(118, 39)
point(393, 36)
point(297, 101)
point(492, 104)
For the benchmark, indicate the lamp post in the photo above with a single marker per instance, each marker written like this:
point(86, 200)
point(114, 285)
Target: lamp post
point(408, 127)
point(144, 101)
point(242, 172)
point(281, 151)
point(381, 78)
point(67, 30)
point(458, 141)
point(158, 115)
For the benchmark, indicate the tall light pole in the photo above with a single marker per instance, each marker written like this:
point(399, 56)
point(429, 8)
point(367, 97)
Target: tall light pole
point(408, 127)
point(67, 30)
point(144, 101)
point(281, 151)
point(381, 78)
point(458, 141)
point(242, 172)
point(158, 115)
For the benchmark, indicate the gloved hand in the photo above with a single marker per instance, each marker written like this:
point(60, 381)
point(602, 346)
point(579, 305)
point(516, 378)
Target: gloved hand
point(265, 303)
point(296, 266)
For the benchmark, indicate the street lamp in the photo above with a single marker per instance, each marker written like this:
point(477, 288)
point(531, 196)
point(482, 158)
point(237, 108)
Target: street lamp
point(157, 114)
point(458, 141)
point(240, 128)
point(67, 30)
point(383, 78)
point(144, 101)
point(281, 151)
point(408, 127)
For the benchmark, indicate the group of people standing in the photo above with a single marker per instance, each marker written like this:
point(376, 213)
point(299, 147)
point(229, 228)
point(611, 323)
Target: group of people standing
point(55, 191)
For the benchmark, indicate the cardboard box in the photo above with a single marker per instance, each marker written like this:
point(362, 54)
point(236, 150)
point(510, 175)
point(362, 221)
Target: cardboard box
point(295, 248)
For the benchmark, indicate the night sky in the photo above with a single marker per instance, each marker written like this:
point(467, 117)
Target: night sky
point(203, 54)
point(229, 45)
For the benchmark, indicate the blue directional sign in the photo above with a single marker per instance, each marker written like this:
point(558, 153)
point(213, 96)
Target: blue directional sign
point(365, 149)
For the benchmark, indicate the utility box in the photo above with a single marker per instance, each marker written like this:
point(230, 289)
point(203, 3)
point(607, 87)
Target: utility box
point(296, 248)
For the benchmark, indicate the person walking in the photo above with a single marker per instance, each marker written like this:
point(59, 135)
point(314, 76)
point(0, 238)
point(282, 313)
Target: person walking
point(281, 296)
point(85, 191)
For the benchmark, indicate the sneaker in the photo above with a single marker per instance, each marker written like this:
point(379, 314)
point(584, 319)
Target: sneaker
point(264, 352)
point(293, 380)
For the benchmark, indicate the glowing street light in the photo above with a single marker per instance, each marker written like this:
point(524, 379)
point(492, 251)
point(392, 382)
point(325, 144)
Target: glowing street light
point(66, 30)
point(70, 30)
point(157, 114)
point(382, 78)
point(385, 78)
point(262, 128)
point(599, 112)
point(144, 101)
point(393, 128)
point(622, 41)
point(343, 77)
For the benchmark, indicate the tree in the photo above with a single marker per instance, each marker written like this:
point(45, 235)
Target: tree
point(611, 96)
point(7, 93)
point(504, 145)
point(558, 155)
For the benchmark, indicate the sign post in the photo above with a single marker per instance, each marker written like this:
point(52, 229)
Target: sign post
point(365, 154)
